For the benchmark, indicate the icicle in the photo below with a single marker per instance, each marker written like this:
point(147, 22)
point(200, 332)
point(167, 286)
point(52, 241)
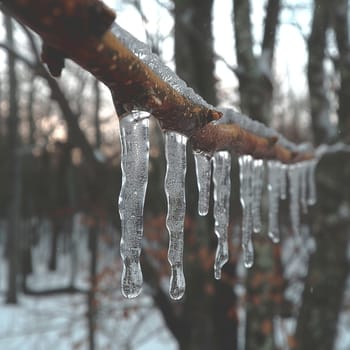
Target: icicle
point(274, 196)
point(283, 181)
point(257, 184)
point(303, 169)
point(175, 151)
point(203, 171)
point(246, 198)
point(294, 190)
point(311, 200)
point(222, 189)
point(134, 135)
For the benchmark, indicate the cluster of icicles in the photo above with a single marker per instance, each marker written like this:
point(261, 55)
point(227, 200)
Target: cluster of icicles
point(134, 131)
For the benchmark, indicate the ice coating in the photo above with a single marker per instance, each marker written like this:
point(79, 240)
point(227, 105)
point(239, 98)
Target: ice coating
point(134, 136)
point(144, 53)
point(257, 184)
point(283, 180)
point(203, 172)
point(246, 198)
point(303, 173)
point(311, 182)
point(175, 152)
point(294, 192)
point(232, 116)
point(273, 187)
point(222, 190)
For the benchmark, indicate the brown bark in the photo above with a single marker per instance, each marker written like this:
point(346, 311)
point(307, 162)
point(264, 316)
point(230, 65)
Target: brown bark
point(131, 82)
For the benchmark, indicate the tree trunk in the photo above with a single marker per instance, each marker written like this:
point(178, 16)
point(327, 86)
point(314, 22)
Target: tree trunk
point(14, 173)
point(97, 125)
point(319, 103)
point(329, 265)
point(255, 73)
point(91, 294)
point(194, 56)
point(265, 279)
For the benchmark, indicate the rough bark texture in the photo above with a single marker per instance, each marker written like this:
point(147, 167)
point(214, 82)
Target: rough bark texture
point(61, 25)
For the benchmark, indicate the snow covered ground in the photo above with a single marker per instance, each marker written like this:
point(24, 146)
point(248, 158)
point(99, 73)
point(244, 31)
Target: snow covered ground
point(60, 322)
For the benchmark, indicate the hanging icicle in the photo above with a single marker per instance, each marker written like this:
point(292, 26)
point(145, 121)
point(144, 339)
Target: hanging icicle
point(273, 187)
point(303, 169)
point(311, 198)
point(246, 198)
point(175, 152)
point(283, 181)
point(294, 194)
point(134, 136)
point(203, 172)
point(257, 184)
point(222, 190)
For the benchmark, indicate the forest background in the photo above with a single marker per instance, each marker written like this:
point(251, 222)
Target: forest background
point(59, 230)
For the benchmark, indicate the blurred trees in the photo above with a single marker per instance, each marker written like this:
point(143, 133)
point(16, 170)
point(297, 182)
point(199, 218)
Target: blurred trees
point(80, 173)
point(329, 266)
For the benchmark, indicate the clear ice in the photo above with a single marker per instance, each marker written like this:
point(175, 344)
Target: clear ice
point(283, 181)
point(222, 190)
point(175, 152)
point(257, 184)
point(294, 193)
point(246, 198)
point(274, 176)
point(203, 172)
point(311, 198)
point(134, 136)
point(303, 170)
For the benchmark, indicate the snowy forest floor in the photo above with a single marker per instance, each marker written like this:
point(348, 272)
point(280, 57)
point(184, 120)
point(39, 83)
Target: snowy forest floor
point(60, 322)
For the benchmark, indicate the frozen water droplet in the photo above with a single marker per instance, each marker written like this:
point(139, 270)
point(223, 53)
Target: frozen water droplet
point(248, 254)
point(246, 198)
point(222, 190)
point(294, 192)
point(175, 152)
point(273, 198)
point(283, 181)
point(257, 183)
point(134, 136)
point(303, 185)
point(311, 200)
point(203, 172)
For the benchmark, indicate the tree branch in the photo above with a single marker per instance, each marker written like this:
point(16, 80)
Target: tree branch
point(74, 30)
